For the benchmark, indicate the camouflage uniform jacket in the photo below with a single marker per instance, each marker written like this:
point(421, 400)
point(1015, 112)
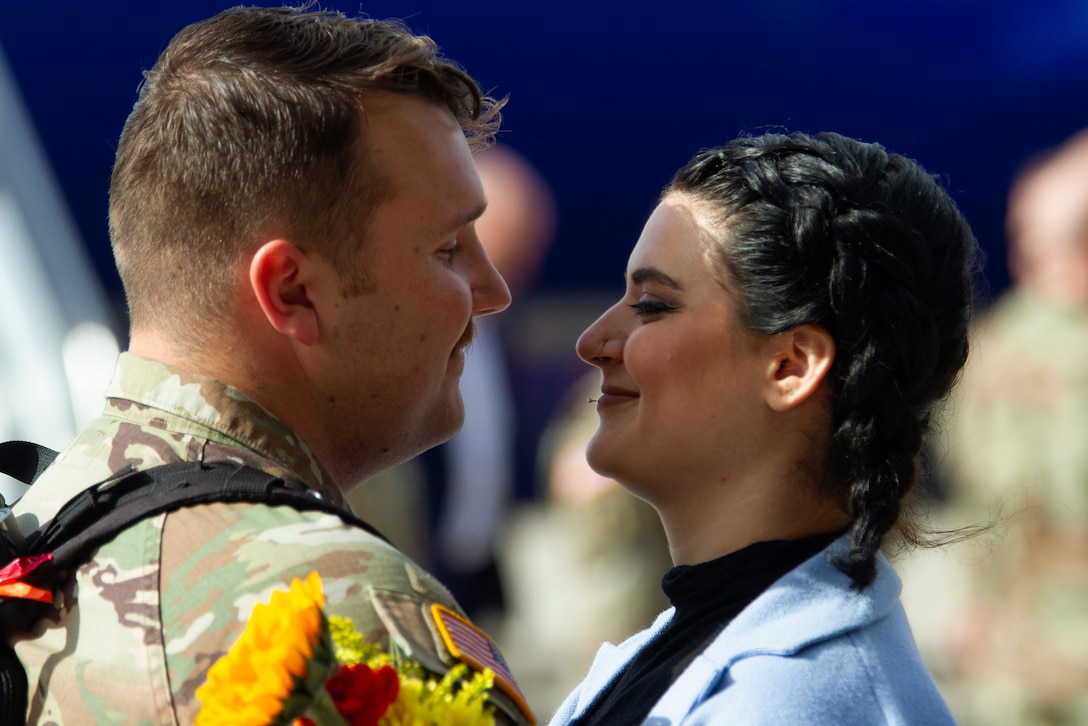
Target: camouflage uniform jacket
point(134, 632)
point(1017, 457)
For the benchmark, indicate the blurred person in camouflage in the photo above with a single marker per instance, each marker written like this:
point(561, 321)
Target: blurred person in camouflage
point(582, 564)
point(1018, 651)
point(292, 214)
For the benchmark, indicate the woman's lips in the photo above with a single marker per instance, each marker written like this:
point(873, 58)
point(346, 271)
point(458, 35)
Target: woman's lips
point(614, 396)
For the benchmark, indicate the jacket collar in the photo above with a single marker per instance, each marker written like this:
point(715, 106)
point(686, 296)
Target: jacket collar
point(157, 395)
point(813, 603)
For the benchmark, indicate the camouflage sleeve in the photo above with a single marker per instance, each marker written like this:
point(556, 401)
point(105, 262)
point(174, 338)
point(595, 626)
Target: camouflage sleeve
point(219, 560)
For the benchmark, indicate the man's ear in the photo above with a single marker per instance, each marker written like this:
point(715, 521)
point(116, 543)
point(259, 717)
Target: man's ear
point(279, 274)
point(801, 359)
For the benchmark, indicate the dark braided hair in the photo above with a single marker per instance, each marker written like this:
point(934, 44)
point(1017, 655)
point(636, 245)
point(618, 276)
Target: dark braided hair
point(828, 230)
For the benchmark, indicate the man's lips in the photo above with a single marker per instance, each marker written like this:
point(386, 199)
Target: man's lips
point(457, 357)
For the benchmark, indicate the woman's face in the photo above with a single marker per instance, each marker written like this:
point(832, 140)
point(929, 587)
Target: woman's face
point(682, 380)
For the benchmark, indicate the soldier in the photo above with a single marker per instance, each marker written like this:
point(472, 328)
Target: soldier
point(292, 214)
point(1016, 455)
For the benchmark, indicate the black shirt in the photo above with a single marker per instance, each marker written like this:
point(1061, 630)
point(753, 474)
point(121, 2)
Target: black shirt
point(707, 597)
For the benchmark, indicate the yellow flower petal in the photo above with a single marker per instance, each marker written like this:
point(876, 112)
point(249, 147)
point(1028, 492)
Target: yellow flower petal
point(249, 685)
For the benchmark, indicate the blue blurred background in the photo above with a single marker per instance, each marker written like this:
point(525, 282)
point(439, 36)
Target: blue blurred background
point(608, 98)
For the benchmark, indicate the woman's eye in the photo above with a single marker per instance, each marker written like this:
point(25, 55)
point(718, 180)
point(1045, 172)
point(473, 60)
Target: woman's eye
point(646, 308)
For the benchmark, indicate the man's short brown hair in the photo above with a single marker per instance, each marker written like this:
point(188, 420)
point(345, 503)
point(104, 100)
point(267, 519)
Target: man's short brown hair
point(250, 125)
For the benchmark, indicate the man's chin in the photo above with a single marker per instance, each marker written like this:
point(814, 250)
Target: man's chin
point(445, 424)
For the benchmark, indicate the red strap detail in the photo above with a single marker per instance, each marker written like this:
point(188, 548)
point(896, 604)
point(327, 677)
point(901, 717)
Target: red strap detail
point(11, 576)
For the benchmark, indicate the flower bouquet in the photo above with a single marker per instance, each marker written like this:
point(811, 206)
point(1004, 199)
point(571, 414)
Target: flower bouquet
point(296, 666)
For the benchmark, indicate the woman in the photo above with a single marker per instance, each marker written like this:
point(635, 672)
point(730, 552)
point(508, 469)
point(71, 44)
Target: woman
point(794, 308)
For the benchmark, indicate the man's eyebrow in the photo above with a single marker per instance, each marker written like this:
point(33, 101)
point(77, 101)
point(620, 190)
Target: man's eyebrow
point(470, 216)
point(653, 274)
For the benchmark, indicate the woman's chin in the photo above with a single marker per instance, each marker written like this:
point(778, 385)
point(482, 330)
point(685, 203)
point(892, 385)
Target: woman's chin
point(610, 458)
point(600, 456)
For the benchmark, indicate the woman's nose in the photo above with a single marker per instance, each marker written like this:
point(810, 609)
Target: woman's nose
point(601, 342)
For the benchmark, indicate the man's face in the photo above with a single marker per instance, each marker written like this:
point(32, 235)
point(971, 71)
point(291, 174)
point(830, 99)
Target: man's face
point(393, 353)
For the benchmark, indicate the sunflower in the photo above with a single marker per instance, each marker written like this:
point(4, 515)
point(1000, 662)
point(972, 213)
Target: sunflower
point(279, 664)
point(294, 666)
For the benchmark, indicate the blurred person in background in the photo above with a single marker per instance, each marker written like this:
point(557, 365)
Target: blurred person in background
point(582, 564)
point(471, 479)
point(1013, 647)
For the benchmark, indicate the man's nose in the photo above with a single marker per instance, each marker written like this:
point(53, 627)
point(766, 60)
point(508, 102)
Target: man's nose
point(491, 294)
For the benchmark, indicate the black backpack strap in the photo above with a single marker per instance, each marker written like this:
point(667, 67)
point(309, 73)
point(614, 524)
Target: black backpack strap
point(24, 460)
point(100, 512)
point(14, 687)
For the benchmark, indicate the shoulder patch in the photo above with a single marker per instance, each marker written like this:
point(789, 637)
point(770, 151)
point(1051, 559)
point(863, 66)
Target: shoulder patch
point(472, 646)
point(437, 638)
point(411, 632)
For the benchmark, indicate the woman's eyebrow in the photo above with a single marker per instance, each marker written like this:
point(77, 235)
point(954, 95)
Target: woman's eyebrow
point(653, 274)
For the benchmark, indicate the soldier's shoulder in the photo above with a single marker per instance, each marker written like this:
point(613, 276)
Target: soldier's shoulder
point(220, 560)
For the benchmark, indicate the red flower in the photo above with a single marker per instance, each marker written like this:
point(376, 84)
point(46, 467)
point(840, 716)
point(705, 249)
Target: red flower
point(362, 694)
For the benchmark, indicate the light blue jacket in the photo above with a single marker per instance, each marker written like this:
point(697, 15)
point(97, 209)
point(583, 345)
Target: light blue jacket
point(809, 650)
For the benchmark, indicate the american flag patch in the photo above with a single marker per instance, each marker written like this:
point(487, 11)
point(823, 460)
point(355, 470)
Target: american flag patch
point(471, 645)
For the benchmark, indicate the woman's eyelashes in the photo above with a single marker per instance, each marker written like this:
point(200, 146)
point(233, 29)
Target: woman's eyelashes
point(648, 308)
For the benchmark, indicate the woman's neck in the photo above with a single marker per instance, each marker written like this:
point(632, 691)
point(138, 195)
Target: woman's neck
point(700, 529)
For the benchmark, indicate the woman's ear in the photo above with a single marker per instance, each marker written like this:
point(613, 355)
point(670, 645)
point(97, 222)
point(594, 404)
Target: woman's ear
point(801, 359)
point(279, 274)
